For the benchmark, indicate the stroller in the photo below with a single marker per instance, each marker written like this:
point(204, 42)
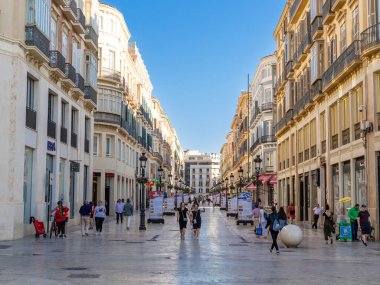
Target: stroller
point(39, 227)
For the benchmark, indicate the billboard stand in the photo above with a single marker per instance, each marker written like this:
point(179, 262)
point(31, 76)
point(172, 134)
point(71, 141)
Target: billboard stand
point(244, 211)
point(156, 207)
point(232, 207)
point(169, 206)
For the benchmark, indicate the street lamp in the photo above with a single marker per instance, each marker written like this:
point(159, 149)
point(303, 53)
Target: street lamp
point(257, 162)
point(175, 188)
point(240, 171)
point(232, 187)
point(226, 188)
point(142, 180)
point(160, 172)
point(181, 188)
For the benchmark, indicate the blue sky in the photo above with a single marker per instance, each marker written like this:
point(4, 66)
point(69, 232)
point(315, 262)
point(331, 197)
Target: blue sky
point(198, 54)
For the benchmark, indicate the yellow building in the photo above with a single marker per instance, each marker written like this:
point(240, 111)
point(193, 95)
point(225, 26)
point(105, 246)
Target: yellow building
point(327, 108)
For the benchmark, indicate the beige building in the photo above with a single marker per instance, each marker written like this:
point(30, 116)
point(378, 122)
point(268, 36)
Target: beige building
point(328, 107)
point(48, 51)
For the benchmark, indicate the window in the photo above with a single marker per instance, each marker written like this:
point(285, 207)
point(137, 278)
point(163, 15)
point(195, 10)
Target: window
point(51, 108)
point(53, 35)
point(345, 113)
point(360, 182)
point(334, 118)
point(316, 61)
point(371, 16)
point(77, 57)
point(313, 133)
point(108, 146)
point(91, 72)
point(346, 185)
point(331, 56)
point(74, 121)
point(112, 60)
point(315, 9)
point(119, 149)
point(28, 183)
point(355, 24)
point(101, 23)
point(64, 46)
point(96, 145)
point(63, 114)
point(322, 127)
point(30, 93)
point(39, 15)
point(343, 37)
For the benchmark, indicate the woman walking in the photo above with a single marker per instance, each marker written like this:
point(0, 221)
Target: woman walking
point(328, 224)
point(196, 219)
point(182, 219)
point(100, 215)
point(273, 217)
point(365, 224)
point(263, 221)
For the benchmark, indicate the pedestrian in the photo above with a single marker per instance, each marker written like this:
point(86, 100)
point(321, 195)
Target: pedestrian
point(196, 220)
point(256, 215)
point(128, 212)
point(328, 224)
point(60, 218)
point(317, 211)
point(291, 213)
point(85, 211)
point(91, 215)
point(119, 211)
point(272, 219)
point(100, 215)
point(182, 219)
point(263, 221)
point(282, 217)
point(353, 215)
point(365, 224)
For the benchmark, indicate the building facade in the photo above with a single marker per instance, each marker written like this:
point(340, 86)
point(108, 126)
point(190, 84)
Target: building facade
point(328, 105)
point(202, 171)
point(262, 139)
point(49, 69)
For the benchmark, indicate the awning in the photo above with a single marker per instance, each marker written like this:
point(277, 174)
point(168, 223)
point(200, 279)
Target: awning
point(264, 178)
point(273, 180)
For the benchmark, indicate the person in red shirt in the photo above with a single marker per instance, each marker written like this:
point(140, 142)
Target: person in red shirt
point(60, 217)
point(291, 213)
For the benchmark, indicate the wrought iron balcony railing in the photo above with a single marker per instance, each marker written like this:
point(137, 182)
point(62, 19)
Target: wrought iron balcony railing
point(34, 37)
point(91, 35)
point(70, 72)
point(91, 94)
point(31, 118)
point(370, 37)
point(57, 60)
point(79, 82)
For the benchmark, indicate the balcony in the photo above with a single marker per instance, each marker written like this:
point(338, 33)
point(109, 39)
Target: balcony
point(86, 145)
point(306, 42)
point(57, 63)
point(323, 147)
point(313, 151)
point(317, 28)
point(90, 94)
point(63, 134)
point(70, 74)
point(110, 75)
point(59, 2)
point(300, 157)
point(30, 118)
point(289, 69)
point(158, 156)
point(79, 24)
point(370, 40)
point(357, 131)
point(37, 44)
point(262, 140)
point(337, 4)
point(327, 12)
point(69, 9)
point(316, 89)
point(51, 129)
point(296, 63)
point(108, 118)
point(74, 140)
point(293, 9)
point(91, 38)
point(334, 142)
point(346, 136)
point(79, 82)
point(343, 65)
point(267, 106)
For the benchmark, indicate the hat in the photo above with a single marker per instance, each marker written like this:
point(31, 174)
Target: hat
point(59, 203)
point(364, 206)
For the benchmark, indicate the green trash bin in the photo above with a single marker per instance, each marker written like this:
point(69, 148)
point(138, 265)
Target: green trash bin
point(344, 232)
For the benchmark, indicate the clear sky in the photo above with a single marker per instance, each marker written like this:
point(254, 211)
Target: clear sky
point(198, 54)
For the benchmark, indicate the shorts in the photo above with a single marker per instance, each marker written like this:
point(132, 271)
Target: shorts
point(366, 229)
point(182, 225)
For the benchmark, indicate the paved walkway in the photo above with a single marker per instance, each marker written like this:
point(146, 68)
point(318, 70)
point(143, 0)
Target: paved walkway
point(224, 254)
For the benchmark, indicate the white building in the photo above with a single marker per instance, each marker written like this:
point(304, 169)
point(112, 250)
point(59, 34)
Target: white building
point(48, 79)
point(262, 139)
point(201, 170)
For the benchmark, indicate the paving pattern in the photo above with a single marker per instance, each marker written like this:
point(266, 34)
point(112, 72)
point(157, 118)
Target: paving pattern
point(224, 254)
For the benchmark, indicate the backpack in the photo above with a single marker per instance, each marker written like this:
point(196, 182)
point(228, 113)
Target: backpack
point(276, 226)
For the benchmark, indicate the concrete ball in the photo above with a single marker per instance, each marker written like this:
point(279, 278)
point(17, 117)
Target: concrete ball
point(291, 236)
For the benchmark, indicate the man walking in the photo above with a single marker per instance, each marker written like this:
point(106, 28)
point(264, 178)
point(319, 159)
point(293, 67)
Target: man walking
point(353, 215)
point(317, 211)
point(85, 212)
point(128, 212)
point(119, 211)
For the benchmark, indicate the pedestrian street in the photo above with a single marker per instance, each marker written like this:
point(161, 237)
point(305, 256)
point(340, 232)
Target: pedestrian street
point(223, 254)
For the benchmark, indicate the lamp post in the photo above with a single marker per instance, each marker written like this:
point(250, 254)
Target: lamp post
point(142, 180)
point(226, 188)
point(160, 172)
point(232, 187)
point(181, 188)
point(257, 162)
point(175, 195)
point(240, 171)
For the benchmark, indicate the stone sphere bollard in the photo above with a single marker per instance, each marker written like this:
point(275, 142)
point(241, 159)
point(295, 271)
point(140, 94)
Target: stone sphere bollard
point(291, 236)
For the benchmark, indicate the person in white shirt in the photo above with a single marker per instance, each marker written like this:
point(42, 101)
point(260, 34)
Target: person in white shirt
point(100, 215)
point(263, 221)
point(317, 211)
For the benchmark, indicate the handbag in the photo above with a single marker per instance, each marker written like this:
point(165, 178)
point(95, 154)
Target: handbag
point(259, 230)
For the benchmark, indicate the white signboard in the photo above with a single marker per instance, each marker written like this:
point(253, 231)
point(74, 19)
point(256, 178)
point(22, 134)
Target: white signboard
point(245, 209)
point(156, 205)
point(169, 204)
point(223, 202)
point(232, 206)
